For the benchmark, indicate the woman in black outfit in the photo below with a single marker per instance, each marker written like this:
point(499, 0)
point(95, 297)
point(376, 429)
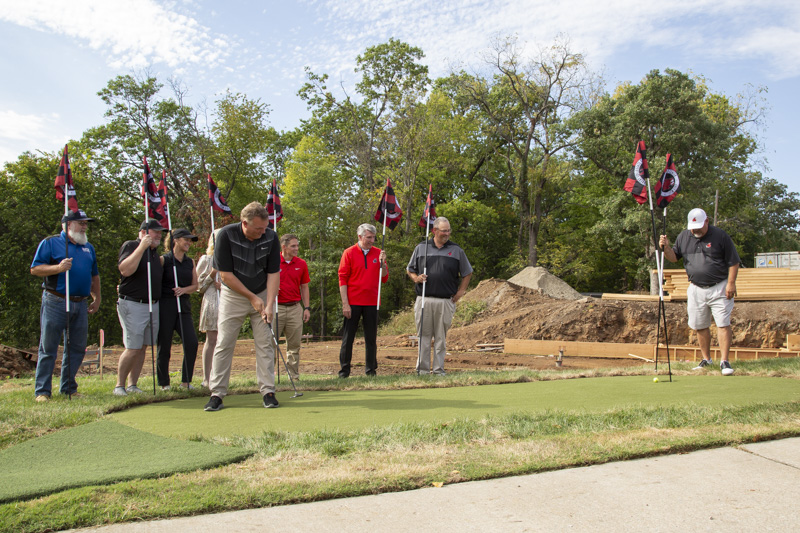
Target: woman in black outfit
point(179, 243)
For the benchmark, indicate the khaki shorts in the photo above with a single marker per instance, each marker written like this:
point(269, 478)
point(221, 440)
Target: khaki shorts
point(702, 304)
point(134, 317)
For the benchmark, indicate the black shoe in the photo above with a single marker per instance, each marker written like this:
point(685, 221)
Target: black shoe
point(343, 376)
point(214, 404)
point(270, 400)
point(371, 373)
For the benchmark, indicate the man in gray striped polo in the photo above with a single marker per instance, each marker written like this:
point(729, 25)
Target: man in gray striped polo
point(247, 256)
point(446, 281)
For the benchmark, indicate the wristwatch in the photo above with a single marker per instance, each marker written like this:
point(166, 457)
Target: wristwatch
point(306, 308)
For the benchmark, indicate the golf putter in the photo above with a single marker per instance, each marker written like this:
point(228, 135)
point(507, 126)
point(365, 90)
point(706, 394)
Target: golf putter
point(296, 394)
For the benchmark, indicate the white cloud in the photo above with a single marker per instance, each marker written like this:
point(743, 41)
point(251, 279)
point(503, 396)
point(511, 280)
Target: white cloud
point(130, 33)
point(449, 31)
point(23, 132)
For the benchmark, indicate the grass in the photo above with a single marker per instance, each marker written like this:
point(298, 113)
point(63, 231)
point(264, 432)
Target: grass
point(297, 466)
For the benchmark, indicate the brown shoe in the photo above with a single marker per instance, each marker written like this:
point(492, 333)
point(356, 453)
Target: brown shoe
point(43, 398)
point(76, 395)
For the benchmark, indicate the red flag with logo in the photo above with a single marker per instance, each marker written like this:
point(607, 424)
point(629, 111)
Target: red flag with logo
point(216, 199)
point(150, 196)
point(161, 208)
point(64, 179)
point(429, 214)
point(668, 187)
point(274, 209)
point(636, 184)
point(389, 212)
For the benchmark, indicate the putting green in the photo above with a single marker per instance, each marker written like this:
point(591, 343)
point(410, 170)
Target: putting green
point(244, 414)
point(99, 453)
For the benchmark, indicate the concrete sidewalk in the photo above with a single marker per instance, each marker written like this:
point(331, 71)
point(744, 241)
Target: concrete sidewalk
point(755, 487)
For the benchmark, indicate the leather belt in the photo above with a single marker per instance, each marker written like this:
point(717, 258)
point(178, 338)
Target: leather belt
point(137, 300)
point(289, 304)
point(71, 298)
point(703, 286)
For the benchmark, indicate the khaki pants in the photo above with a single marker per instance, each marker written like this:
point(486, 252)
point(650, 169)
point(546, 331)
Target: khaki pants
point(438, 317)
point(290, 324)
point(233, 309)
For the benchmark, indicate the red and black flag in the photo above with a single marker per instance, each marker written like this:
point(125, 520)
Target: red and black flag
point(64, 178)
point(215, 198)
point(389, 212)
point(636, 184)
point(150, 196)
point(429, 214)
point(274, 209)
point(668, 187)
point(161, 208)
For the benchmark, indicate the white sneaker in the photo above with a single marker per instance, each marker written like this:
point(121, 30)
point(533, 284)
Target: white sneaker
point(165, 387)
point(188, 386)
point(726, 368)
point(133, 389)
point(119, 391)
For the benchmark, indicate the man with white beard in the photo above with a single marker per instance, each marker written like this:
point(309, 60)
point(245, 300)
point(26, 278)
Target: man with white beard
point(68, 251)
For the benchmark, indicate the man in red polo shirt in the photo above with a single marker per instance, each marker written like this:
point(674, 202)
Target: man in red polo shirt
point(293, 301)
point(361, 267)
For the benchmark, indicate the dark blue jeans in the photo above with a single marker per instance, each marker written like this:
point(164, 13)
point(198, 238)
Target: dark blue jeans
point(53, 320)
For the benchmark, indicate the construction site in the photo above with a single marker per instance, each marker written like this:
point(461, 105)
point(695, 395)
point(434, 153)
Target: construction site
point(535, 320)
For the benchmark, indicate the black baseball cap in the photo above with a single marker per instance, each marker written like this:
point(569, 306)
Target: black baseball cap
point(152, 223)
point(75, 216)
point(183, 233)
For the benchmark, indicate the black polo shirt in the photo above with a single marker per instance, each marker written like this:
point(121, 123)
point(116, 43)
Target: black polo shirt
point(250, 261)
point(446, 266)
point(708, 258)
point(135, 285)
point(185, 270)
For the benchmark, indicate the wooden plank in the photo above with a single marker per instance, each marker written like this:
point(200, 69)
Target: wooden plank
point(792, 342)
point(612, 350)
point(620, 350)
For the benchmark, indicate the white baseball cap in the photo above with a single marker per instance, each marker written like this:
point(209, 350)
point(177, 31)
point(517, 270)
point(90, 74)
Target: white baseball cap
point(697, 217)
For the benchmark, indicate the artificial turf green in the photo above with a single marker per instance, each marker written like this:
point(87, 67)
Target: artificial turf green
point(348, 410)
point(99, 453)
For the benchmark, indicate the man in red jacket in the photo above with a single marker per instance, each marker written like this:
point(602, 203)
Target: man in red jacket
point(360, 270)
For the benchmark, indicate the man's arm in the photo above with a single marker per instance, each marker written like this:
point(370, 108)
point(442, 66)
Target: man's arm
point(48, 270)
point(273, 285)
point(346, 311)
point(730, 288)
point(95, 292)
point(127, 267)
point(462, 288)
point(669, 253)
point(233, 283)
point(305, 298)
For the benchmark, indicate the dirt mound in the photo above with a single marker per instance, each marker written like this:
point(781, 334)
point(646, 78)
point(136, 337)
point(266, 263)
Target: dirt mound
point(540, 279)
point(14, 363)
point(517, 312)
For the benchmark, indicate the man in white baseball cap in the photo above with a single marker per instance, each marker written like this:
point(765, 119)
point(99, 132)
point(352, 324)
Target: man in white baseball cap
point(712, 263)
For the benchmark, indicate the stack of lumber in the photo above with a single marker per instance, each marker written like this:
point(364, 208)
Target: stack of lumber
point(751, 284)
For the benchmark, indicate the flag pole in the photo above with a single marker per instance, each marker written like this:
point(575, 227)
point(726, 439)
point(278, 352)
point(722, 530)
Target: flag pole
point(146, 192)
point(276, 362)
point(425, 282)
point(661, 307)
point(383, 240)
point(66, 275)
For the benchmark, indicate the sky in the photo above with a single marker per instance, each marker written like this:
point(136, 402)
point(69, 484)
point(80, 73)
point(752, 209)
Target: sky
point(57, 55)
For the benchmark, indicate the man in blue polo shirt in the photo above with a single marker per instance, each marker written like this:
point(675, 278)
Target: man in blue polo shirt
point(70, 252)
point(712, 264)
point(446, 281)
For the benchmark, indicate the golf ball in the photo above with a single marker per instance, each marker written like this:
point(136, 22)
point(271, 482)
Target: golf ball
point(655, 380)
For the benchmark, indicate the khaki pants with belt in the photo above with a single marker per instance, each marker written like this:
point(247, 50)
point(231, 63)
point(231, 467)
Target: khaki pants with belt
point(233, 309)
point(290, 324)
point(438, 317)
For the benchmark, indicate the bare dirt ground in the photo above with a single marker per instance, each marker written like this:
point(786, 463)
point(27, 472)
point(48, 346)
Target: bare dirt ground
point(520, 312)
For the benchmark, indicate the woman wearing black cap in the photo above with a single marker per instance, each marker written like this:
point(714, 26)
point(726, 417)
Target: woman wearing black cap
point(178, 243)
